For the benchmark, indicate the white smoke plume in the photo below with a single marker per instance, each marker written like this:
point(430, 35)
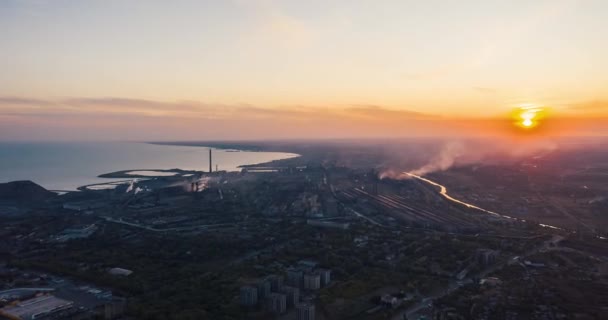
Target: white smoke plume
point(469, 152)
point(131, 186)
point(444, 160)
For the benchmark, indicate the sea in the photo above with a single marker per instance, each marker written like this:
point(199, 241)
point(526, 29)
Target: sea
point(69, 165)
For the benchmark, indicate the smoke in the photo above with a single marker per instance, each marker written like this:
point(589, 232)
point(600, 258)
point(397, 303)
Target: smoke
point(394, 174)
point(444, 160)
point(131, 186)
point(445, 155)
point(442, 157)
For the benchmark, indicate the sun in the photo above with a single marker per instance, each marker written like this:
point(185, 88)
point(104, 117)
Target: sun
point(528, 116)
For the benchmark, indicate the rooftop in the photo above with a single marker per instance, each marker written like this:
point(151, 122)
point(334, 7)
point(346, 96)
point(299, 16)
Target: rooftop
point(35, 307)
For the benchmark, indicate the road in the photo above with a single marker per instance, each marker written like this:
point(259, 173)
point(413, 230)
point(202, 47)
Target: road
point(148, 228)
point(360, 215)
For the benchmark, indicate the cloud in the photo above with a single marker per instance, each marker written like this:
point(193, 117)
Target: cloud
point(378, 112)
point(196, 109)
point(15, 106)
point(590, 106)
point(9, 100)
point(289, 112)
point(139, 104)
point(113, 105)
point(111, 101)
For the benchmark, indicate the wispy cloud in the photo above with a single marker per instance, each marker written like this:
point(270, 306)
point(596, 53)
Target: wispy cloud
point(113, 105)
point(590, 106)
point(196, 109)
point(9, 100)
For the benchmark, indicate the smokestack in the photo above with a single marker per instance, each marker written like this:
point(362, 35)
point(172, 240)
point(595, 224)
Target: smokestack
point(210, 162)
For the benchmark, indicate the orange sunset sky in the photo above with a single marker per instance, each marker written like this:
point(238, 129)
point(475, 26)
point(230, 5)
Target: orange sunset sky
point(263, 69)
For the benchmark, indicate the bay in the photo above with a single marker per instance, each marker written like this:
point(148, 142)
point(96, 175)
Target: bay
point(69, 165)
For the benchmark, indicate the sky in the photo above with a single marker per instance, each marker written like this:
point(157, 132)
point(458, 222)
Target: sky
point(263, 69)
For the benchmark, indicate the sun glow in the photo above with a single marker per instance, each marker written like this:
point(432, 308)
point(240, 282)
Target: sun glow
point(528, 116)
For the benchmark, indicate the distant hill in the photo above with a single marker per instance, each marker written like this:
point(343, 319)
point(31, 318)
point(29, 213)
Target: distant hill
point(24, 191)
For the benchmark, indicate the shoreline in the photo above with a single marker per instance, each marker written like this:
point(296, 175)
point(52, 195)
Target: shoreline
point(68, 182)
point(126, 173)
point(236, 147)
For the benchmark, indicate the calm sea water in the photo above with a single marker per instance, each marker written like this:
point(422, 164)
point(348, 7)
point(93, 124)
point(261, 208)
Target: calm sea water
point(66, 166)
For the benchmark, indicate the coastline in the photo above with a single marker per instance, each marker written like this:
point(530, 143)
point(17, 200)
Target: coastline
point(240, 146)
point(127, 173)
point(78, 164)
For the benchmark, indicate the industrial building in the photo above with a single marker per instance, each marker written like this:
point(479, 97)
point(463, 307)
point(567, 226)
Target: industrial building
point(85, 205)
point(328, 224)
point(120, 272)
point(486, 257)
point(76, 233)
point(35, 308)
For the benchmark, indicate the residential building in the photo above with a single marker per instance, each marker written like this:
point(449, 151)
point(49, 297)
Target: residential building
point(305, 311)
point(277, 303)
point(325, 276)
point(249, 296)
point(293, 295)
point(295, 277)
point(312, 281)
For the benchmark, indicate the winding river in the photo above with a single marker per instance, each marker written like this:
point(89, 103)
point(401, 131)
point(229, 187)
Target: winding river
point(444, 192)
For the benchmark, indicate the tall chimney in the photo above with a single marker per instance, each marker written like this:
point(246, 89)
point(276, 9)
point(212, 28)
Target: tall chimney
point(210, 162)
